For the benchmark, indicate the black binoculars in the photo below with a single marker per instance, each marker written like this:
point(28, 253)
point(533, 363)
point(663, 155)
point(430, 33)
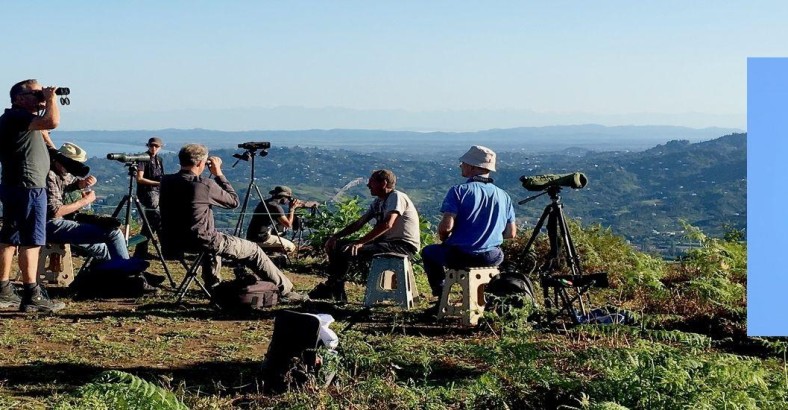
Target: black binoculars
point(59, 91)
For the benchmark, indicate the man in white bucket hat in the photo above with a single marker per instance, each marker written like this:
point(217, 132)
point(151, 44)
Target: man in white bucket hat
point(477, 217)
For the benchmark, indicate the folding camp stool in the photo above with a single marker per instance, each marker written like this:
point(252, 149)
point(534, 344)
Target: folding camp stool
point(191, 276)
point(391, 278)
point(472, 282)
point(62, 273)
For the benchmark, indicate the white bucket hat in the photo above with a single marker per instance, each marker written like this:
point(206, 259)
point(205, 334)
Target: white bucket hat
point(480, 156)
point(71, 150)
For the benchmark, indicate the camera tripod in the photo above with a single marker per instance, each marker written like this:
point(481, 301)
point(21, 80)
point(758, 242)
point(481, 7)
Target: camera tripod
point(249, 155)
point(126, 202)
point(559, 237)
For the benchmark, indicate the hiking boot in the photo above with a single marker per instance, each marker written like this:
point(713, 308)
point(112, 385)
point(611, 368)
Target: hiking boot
point(293, 297)
point(329, 291)
point(210, 282)
point(39, 301)
point(144, 287)
point(9, 297)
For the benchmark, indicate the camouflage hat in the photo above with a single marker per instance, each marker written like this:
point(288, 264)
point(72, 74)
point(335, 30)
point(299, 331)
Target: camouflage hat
point(282, 192)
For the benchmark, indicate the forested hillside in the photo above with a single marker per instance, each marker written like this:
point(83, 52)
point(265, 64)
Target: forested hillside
point(641, 195)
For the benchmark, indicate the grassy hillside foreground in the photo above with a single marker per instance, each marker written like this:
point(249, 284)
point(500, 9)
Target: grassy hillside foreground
point(688, 350)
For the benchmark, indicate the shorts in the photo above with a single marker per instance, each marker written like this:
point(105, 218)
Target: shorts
point(24, 216)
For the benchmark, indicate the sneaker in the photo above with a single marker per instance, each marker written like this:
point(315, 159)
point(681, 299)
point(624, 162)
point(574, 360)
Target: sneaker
point(293, 297)
point(9, 297)
point(327, 291)
point(39, 301)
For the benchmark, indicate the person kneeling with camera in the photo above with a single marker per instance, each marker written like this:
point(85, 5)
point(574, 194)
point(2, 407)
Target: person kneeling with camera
point(186, 201)
point(97, 235)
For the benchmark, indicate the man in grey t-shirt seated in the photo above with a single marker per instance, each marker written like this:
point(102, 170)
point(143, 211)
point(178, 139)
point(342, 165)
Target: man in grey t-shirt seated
point(396, 230)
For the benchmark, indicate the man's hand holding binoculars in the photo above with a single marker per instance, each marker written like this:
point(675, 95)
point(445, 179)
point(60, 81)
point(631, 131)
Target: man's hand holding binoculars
point(215, 166)
point(296, 203)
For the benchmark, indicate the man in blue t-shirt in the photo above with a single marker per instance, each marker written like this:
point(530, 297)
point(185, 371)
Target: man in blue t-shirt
point(477, 217)
point(24, 137)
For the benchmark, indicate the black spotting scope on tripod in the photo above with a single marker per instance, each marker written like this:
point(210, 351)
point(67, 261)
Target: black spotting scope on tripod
point(559, 237)
point(249, 154)
point(131, 162)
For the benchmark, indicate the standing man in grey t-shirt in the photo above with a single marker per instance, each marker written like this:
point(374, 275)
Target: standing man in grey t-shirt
point(24, 137)
point(396, 230)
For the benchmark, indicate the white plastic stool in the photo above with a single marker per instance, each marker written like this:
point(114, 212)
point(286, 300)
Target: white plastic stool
point(391, 278)
point(59, 274)
point(472, 282)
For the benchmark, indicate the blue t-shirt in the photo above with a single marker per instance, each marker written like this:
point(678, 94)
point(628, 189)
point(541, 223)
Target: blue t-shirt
point(482, 212)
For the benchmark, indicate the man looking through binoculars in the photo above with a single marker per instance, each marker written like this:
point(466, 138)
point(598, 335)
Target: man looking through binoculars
point(188, 225)
point(25, 159)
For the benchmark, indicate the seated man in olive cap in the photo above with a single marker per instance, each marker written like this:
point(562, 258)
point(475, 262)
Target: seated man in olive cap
point(477, 217)
point(269, 216)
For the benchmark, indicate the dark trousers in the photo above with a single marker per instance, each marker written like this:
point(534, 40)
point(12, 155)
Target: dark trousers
point(439, 257)
point(339, 260)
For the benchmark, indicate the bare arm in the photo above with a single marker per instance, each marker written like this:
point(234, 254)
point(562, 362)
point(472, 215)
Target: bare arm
point(287, 220)
point(47, 139)
point(353, 227)
point(87, 199)
point(145, 181)
point(446, 225)
point(51, 118)
point(378, 230)
point(510, 231)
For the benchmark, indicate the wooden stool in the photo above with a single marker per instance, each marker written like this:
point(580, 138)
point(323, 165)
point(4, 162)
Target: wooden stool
point(472, 281)
point(60, 270)
point(391, 278)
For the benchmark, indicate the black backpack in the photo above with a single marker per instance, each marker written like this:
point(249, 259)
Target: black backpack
point(510, 286)
point(244, 294)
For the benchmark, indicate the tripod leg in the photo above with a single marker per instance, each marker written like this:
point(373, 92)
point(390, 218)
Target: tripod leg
point(146, 225)
point(571, 253)
point(537, 229)
point(126, 201)
point(242, 214)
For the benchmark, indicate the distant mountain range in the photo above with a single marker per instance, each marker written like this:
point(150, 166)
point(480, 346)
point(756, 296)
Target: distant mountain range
point(299, 118)
point(406, 143)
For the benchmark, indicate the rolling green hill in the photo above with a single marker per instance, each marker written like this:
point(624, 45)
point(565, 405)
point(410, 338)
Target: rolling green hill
point(641, 195)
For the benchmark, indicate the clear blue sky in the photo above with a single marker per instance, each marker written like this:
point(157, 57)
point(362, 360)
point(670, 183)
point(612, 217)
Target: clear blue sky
point(611, 58)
